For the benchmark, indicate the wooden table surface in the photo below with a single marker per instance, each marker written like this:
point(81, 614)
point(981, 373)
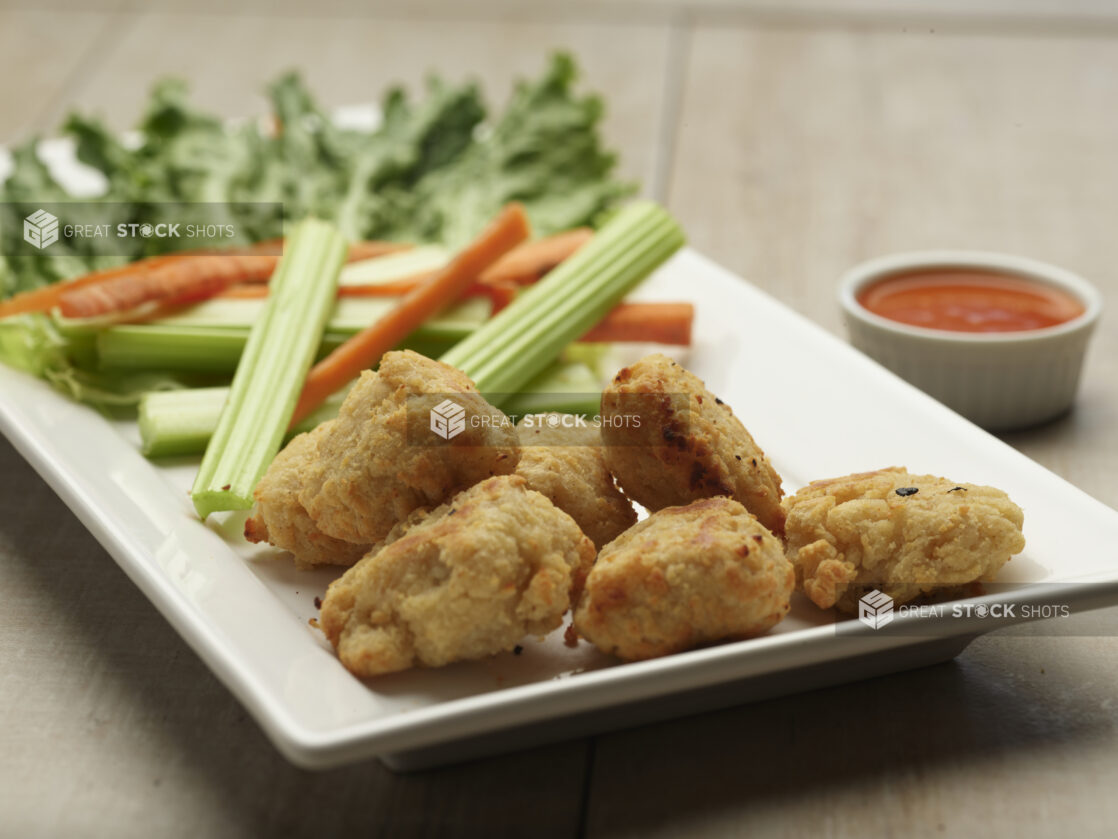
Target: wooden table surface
point(792, 140)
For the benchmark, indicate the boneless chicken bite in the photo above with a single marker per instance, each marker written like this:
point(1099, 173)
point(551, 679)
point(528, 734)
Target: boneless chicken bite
point(471, 579)
point(381, 459)
point(670, 441)
point(905, 535)
point(708, 571)
point(280, 518)
point(564, 462)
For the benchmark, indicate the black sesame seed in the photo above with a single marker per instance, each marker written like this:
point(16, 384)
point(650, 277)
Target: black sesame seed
point(517, 650)
point(957, 489)
point(906, 491)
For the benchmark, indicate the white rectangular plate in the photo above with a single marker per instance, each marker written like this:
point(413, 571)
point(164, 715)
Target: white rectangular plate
point(815, 405)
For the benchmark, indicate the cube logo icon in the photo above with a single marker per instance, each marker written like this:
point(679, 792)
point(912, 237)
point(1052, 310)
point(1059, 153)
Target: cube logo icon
point(40, 229)
point(875, 609)
point(448, 419)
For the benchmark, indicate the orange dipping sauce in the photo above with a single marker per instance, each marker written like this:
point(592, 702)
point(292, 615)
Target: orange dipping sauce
point(969, 300)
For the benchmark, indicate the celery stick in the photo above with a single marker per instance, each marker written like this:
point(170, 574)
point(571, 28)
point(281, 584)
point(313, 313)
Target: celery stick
point(180, 422)
point(349, 315)
point(531, 332)
point(193, 349)
point(594, 356)
point(394, 266)
point(170, 348)
point(567, 387)
point(615, 241)
point(508, 363)
point(176, 422)
point(272, 369)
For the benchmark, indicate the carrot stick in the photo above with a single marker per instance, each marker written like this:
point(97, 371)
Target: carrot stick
point(364, 349)
point(245, 291)
point(185, 278)
point(46, 298)
point(659, 323)
point(527, 263)
point(500, 294)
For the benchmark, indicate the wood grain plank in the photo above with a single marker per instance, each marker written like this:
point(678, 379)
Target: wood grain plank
point(40, 51)
point(889, 8)
point(799, 154)
point(1083, 16)
point(114, 726)
point(350, 61)
point(1015, 738)
point(818, 10)
point(138, 738)
point(802, 153)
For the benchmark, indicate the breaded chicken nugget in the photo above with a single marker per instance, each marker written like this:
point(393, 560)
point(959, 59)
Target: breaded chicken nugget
point(282, 520)
point(685, 576)
point(688, 444)
point(381, 460)
point(905, 535)
point(565, 463)
point(494, 564)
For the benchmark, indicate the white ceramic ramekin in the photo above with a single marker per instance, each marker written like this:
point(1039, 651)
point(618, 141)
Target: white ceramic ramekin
point(999, 380)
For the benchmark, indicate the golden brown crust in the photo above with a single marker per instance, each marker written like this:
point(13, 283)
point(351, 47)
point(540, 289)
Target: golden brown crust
point(280, 518)
point(380, 459)
point(849, 535)
point(566, 464)
point(689, 444)
point(708, 571)
point(470, 579)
